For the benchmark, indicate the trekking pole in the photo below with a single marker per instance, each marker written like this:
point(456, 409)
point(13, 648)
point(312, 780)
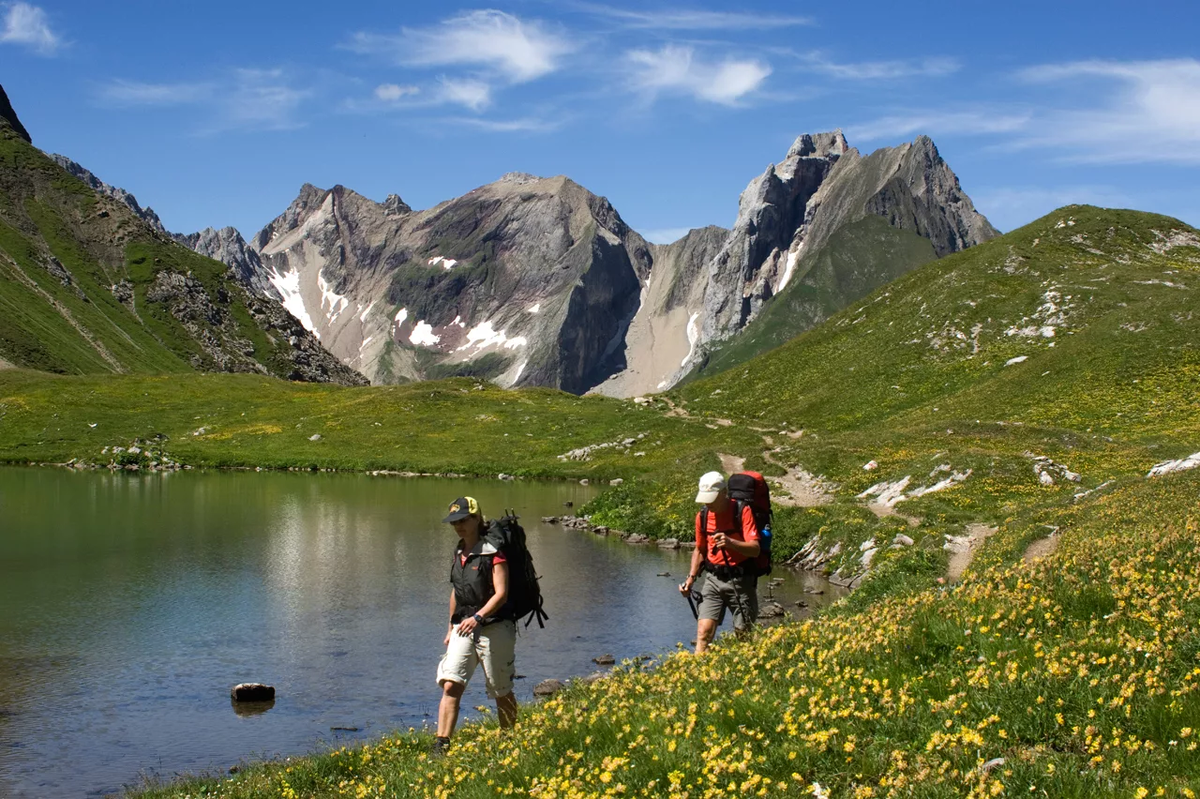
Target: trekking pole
point(692, 605)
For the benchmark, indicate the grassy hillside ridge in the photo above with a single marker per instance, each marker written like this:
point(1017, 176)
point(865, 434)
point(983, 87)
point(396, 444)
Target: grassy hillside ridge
point(87, 287)
point(453, 426)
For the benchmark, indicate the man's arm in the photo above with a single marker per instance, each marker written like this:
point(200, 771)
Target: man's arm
point(748, 547)
point(697, 559)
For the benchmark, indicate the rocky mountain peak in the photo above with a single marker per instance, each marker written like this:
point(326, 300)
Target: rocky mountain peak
point(227, 246)
point(9, 115)
point(819, 145)
point(518, 178)
point(394, 205)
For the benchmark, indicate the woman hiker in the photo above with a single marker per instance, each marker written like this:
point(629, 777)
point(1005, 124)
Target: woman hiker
point(480, 630)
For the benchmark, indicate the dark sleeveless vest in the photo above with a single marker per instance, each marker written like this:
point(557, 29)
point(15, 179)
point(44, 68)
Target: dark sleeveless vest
point(472, 583)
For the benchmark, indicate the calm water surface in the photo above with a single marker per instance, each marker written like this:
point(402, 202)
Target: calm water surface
point(130, 604)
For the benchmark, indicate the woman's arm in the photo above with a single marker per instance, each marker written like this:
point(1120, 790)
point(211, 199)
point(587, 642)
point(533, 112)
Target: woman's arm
point(493, 605)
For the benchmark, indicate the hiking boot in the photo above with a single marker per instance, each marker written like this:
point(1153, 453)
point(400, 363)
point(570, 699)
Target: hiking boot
point(440, 746)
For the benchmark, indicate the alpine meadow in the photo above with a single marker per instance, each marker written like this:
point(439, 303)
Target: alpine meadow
point(990, 439)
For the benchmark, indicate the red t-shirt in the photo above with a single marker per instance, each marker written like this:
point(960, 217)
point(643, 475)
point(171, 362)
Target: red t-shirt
point(724, 522)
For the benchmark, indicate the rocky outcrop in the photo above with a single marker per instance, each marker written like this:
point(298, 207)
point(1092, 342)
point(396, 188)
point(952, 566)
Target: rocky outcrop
point(9, 115)
point(227, 246)
point(147, 214)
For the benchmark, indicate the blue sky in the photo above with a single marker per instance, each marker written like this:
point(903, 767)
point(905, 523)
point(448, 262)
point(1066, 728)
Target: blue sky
point(216, 113)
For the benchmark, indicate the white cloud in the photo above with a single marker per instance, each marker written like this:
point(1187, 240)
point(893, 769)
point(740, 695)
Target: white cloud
point(473, 94)
point(26, 24)
point(1147, 111)
point(519, 50)
point(882, 70)
point(390, 92)
point(677, 70)
point(935, 123)
point(693, 19)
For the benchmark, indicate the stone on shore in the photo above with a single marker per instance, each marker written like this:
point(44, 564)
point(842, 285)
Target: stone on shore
point(548, 687)
point(604, 660)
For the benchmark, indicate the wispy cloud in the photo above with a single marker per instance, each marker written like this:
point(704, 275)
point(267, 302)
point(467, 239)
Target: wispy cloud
point(473, 94)
point(936, 123)
point(692, 19)
point(522, 125)
point(262, 99)
point(676, 69)
point(1146, 111)
point(131, 93)
point(881, 70)
point(27, 25)
point(390, 92)
point(245, 99)
point(519, 50)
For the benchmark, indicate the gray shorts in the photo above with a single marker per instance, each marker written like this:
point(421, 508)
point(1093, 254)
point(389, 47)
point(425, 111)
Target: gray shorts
point(738, 594)
point(491, 645)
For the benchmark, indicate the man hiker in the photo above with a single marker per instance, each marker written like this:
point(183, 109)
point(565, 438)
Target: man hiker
point(481, 630)
point(726, 547)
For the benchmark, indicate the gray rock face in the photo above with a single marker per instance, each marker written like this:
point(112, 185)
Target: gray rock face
point(147, 214)
point(533, 281)
point(790, 212)
point(525, 281)
point(227, 246)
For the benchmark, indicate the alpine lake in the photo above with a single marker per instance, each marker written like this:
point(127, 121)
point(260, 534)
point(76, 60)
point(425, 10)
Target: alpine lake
point(131, 604)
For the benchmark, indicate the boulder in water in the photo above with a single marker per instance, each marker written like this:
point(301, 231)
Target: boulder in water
point(252, 692)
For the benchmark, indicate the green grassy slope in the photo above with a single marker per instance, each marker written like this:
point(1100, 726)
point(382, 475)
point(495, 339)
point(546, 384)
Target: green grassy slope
point(858, 259)
point(920, 378)
point(86, 287)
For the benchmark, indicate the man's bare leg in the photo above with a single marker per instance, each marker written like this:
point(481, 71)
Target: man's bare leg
point(705, 630)
point(506, 709)
point(448, 710)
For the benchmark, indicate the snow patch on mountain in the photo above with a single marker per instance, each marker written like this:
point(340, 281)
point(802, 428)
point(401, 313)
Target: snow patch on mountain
point(423, 335)
point(485, 335)
point(332, 303)
point(288, 286)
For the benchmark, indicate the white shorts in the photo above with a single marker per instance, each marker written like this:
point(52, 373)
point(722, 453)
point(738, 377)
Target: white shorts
point(494, 646)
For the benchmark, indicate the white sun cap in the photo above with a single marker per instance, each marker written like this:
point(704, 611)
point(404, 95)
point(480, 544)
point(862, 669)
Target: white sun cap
point(711, 485)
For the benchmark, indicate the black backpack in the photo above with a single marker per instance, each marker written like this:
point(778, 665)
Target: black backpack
point(524, 593)
point(750, 489)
